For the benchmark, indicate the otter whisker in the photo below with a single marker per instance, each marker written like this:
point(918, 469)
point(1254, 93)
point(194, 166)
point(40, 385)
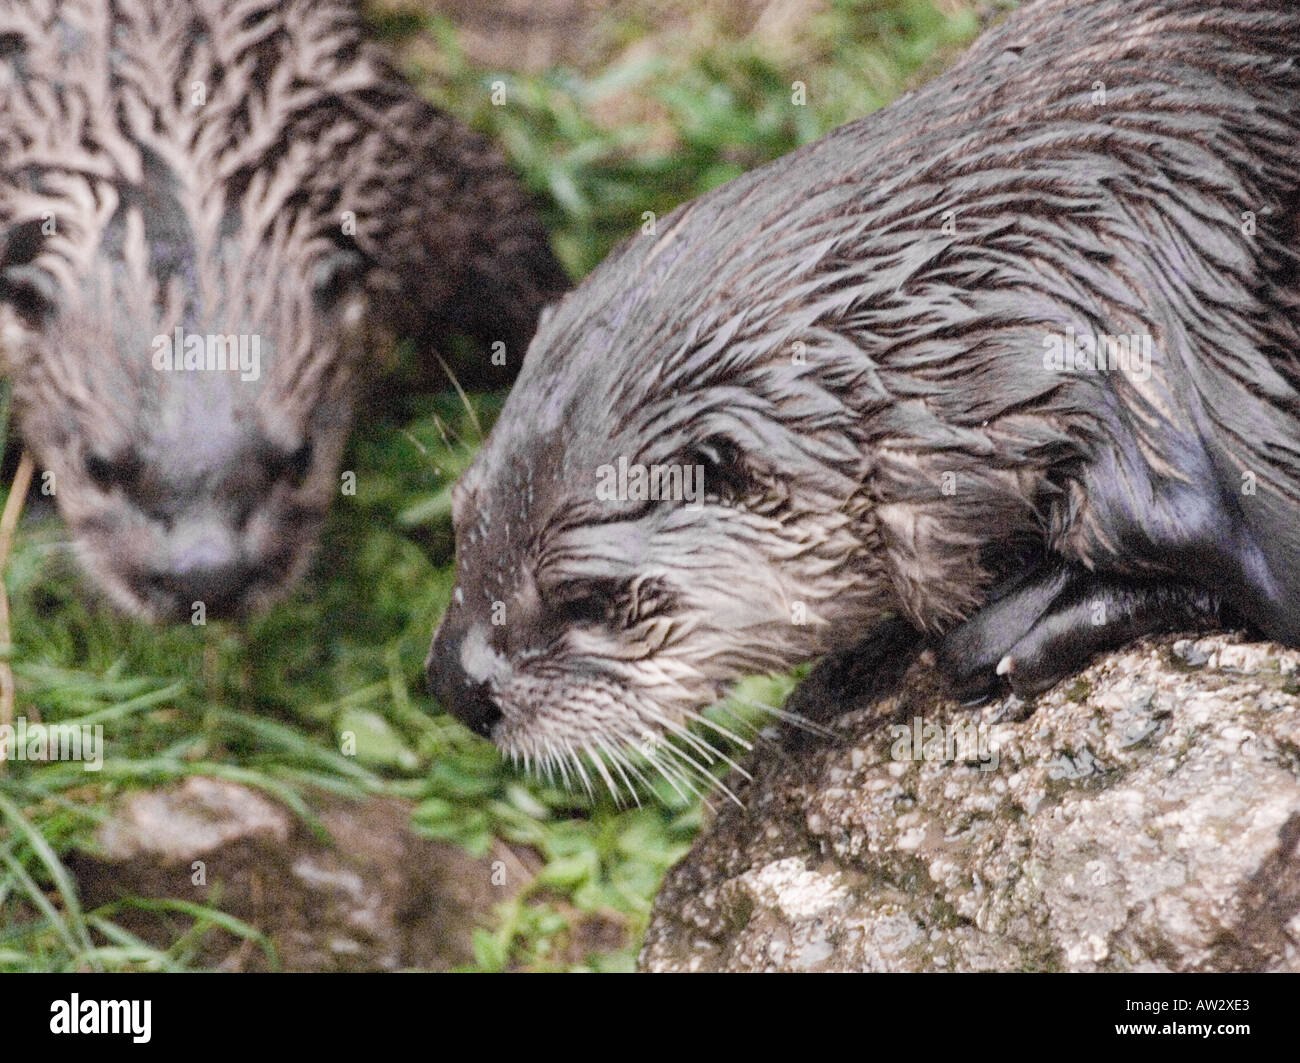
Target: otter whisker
point(674, 775)
point(688, 764)
point(599, 761)
point(581, 771)
point(713, 725)
point(549, 766)
point(668, 765)
point(794, 719)
point(743, 724)
point(705, 749)
point(630, 743)
point(561, 765)
point(628, 763)
point(709, 751)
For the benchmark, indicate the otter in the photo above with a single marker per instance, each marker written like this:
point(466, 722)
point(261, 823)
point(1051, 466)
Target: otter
point(213, 215)
point(1012, 364)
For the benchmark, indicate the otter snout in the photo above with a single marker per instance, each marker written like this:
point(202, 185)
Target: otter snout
point(208, 568)
point(466, 695)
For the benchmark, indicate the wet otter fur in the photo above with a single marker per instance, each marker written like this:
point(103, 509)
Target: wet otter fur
point(249, 170)
point(854, 343)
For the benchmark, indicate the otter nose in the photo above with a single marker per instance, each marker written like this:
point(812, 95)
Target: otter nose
point(206, 567)
point(466, 698)
point(221, 588)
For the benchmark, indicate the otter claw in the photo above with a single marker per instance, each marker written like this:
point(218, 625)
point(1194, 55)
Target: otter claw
point(1050, 624)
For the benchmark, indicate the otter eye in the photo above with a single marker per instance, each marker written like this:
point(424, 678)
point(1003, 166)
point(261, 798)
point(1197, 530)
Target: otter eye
point(725, 474)
point(339, 272)
point(298, 464)
point(584, 603)
point(289, 465)
point(108, 473)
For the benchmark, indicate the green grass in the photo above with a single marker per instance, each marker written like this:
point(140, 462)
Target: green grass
point(692, 120)
point(267, 704)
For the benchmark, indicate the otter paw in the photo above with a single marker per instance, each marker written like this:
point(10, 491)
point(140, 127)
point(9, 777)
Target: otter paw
point(973, 657)
point(1049, 629)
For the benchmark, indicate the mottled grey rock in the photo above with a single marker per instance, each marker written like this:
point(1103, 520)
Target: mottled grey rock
point(364, 894)
point(1145, 817)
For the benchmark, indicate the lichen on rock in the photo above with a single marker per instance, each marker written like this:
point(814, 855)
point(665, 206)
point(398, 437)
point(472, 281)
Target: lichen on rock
point(1144, 816)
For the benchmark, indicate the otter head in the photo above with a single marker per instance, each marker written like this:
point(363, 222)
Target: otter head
point(672, 498)
point(188, 249)
point(738, 445)
point(186, 405)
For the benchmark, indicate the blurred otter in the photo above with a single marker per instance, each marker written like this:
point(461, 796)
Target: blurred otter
point(895, 356)
point(213, 215)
